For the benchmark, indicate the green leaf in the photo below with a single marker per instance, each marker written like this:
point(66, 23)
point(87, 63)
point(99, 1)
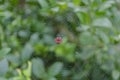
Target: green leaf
point(4, 52)
point(38, 68)
point(87, 53)
point(102, 22)
point(27, 72)
point(3, 67)
point(52, 78)
point(107, 65)
point(106, 5)
point(43, 3)
point(104, 37)
point(14, 60)
point(86, 2)
point(2, 78)
point(76, 2)
point(87, 38)
point(52, 2)
point(62, 5)
point(27, 52)
point(116, 75)
point(55, 69)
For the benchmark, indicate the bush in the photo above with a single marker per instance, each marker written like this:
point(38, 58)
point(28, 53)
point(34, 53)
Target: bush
point(90, 40)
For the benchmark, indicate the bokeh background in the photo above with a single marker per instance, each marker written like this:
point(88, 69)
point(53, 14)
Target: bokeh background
point(90, 47)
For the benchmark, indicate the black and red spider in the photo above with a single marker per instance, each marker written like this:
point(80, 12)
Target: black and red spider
point(58, 39)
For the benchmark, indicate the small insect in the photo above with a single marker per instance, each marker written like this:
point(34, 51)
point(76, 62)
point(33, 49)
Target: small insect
point(58, 39)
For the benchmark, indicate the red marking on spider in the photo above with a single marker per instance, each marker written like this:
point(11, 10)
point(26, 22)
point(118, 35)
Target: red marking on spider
point(58, 40)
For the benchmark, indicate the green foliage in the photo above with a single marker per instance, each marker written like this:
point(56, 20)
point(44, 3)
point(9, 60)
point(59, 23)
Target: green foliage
point(4, 52)
point(90, 47)
point(38, 68)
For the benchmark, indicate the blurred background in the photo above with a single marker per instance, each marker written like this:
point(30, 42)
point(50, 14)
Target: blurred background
point(90, 34)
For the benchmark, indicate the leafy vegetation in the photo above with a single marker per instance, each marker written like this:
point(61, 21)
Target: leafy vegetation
point(90, 48)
